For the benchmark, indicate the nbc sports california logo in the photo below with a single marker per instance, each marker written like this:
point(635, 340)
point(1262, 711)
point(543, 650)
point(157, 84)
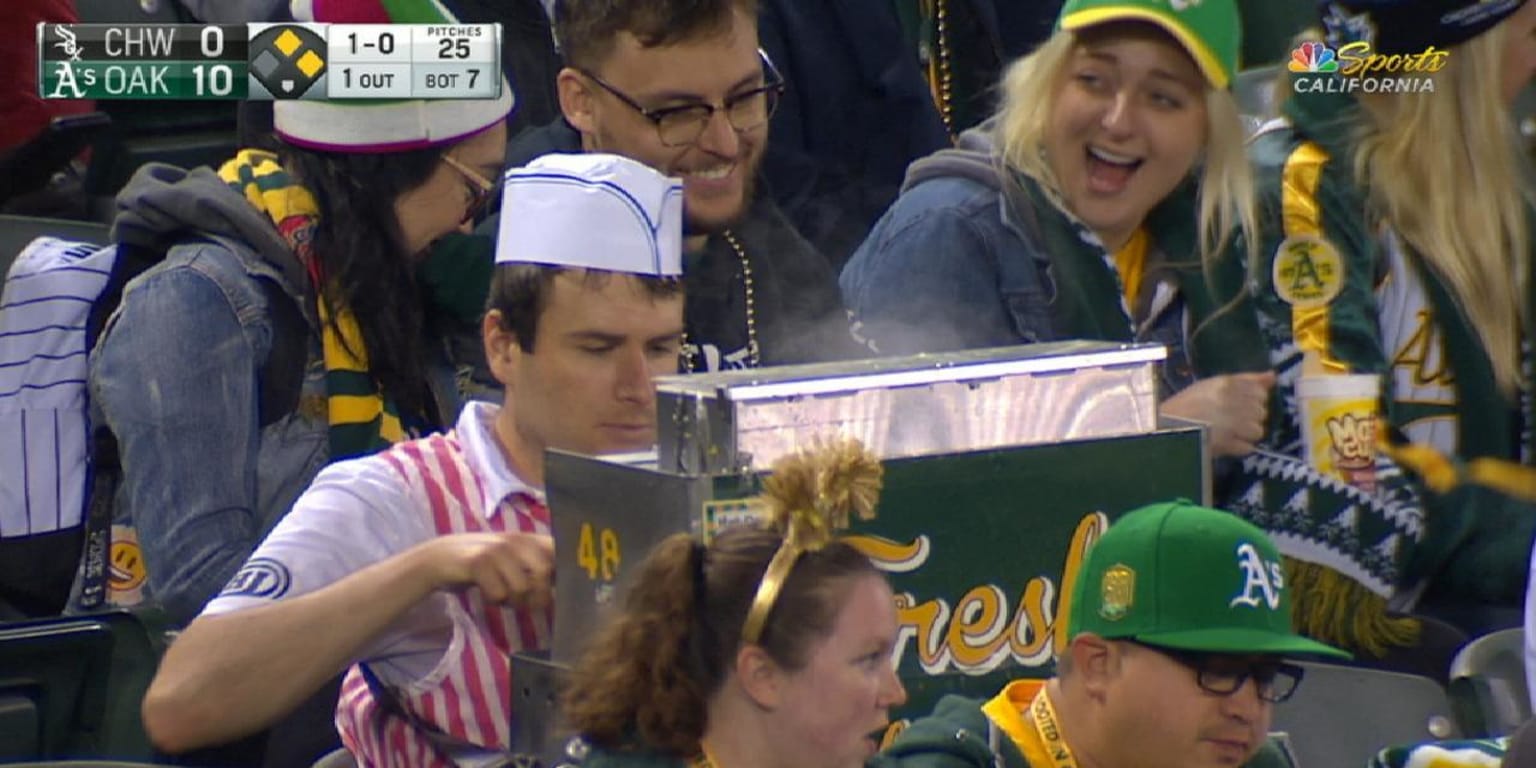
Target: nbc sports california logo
point(1352, 67)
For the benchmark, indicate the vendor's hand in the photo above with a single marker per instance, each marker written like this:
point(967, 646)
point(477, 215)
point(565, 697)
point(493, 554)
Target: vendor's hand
point(512, 568)
point(1234, 408)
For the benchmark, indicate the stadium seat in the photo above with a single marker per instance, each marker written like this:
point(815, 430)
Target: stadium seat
point(87, 764)
point(1488, 684)
point(1343, 715)
point(185, 134)
point(71, 687)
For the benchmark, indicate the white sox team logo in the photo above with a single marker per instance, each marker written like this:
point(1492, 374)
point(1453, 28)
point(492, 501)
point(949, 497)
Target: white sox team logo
point(1259, 576)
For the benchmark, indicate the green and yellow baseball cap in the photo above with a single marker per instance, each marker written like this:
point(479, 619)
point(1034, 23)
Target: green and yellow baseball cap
point(1210, 30)
point(1188, 577)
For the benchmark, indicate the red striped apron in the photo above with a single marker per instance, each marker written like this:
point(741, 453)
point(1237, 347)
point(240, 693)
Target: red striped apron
point(468, 706)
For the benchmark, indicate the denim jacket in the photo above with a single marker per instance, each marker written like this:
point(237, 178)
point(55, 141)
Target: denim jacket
point(202, 483)
point(964, 260)
point(174, 376)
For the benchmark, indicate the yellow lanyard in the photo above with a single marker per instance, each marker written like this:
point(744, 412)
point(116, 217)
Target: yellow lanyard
point(1037, 736)
point(1044, 716)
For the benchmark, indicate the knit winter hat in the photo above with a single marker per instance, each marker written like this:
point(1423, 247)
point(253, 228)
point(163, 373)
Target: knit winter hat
point(383, 125)
point(1410, 26)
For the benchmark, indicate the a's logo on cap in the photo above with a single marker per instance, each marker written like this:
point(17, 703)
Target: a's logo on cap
point(1260, 577)
point(1118, 592)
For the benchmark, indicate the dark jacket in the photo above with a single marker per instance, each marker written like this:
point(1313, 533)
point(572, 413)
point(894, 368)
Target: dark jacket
point(528, 56)
point(959, 735)
point(799, 316)
point(856, 112)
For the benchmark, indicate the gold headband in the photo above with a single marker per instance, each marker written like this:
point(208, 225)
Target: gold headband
point(811, 494)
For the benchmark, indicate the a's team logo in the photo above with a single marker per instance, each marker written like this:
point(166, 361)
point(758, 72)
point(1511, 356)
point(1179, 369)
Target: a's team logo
point(1117, 592)
point(1308, 272)
point(65, 86)
point(1314, 57)
point(1262, 579)
point(1422, 356)
point(260, 577)
point(67, 43)
point(287, 60)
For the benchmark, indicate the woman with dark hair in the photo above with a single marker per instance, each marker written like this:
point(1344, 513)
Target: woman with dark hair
point(766, 646)
point(299, 265)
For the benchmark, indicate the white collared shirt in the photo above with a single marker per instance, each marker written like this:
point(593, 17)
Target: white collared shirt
point(355, 514)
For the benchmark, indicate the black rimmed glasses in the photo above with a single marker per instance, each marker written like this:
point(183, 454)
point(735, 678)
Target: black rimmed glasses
point(682, 125)
point(1224, 674)
point(481, 189)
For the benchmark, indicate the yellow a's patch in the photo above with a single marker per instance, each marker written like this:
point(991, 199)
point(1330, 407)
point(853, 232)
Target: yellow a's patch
point(1308, 271)
point(1118, 592)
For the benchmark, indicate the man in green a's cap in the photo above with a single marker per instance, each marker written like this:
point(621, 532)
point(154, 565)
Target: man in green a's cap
point(1180, 625)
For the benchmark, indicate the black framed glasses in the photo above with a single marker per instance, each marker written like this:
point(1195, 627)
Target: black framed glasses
point(481, 189)
point(1224, 674)
point(682, 125)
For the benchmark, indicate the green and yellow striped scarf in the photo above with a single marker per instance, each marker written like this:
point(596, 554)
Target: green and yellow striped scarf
point(362, 420)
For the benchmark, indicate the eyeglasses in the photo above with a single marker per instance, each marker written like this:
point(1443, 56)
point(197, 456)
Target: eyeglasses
point(481, 189)
point(1223, 674)
point(681, 126)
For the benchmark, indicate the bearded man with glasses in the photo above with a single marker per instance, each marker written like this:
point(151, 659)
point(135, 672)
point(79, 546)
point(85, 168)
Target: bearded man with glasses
point(1180, 627)
point(682, 87)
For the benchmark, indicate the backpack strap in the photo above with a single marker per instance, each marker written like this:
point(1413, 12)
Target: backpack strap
point(102, 482)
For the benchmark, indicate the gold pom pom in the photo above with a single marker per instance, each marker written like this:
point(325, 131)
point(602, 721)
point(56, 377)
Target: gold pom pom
point(817, 491)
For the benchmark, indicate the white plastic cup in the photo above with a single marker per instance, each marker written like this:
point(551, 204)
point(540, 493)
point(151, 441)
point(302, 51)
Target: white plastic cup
point(1338, 425)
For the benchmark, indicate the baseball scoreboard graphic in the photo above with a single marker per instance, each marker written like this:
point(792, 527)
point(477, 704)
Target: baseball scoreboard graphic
point(269, 61)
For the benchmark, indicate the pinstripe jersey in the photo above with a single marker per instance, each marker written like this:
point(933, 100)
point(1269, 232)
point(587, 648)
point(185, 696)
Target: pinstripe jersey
point(44, 309)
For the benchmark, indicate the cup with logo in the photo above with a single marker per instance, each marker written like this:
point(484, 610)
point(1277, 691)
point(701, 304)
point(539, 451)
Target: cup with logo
point(1338, 424)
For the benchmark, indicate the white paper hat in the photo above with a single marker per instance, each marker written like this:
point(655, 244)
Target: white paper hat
point(594, 211)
